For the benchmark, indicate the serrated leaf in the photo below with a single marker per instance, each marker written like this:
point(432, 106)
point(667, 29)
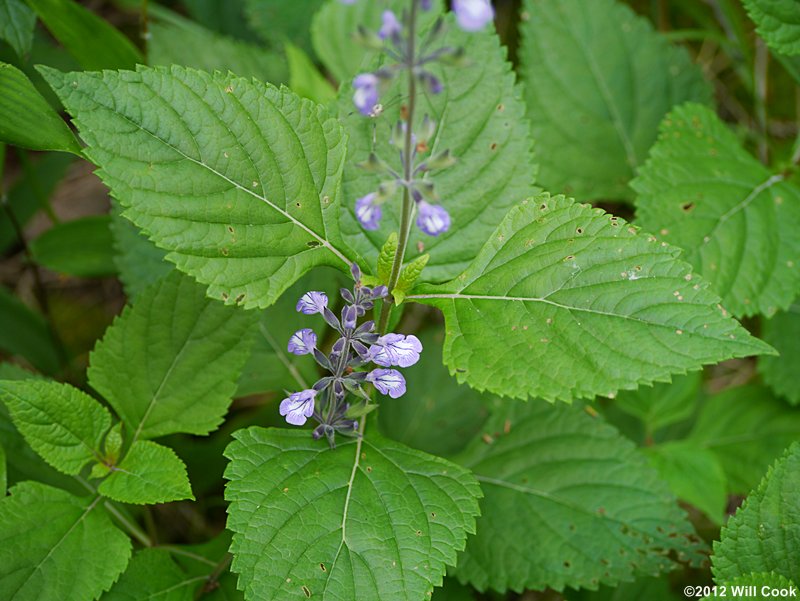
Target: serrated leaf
point(436, 415)
point(598, 80)
point(61, 423)
point(92, 40)
point(174, 348)
point(26, 119)
point(149, 473)
point(764, 535)
point(26, 333)
point(82, 248)
point(277, 21)
point(746, 428)
point(242, 184)
point(78, 555)
point(567, 502)
point(694, 475)
point(778, 22)
point(740, 588)
point(736, 222)
point(591, 303)
point(781, 373)
point(481, 120)
point(16, 25)
point(662, 405)
point(372, 519)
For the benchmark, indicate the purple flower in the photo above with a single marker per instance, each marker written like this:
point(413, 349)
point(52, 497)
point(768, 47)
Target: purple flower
point(366, 94)
point(298, 407)
point(312, 302)
point(368, 212)
point(432, 219)
point(302, 342)
point(473, 15)
point(395, 349)
point(388, 381)
point(426, 4)
point(391, 25)
point(349, 317)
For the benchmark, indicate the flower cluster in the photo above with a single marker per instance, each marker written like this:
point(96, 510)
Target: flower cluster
point(397, 38)
point(329, 400)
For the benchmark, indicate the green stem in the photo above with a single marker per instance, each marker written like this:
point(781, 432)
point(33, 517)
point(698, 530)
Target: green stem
point(129, 525)
point(408, 202)
point(213, 578)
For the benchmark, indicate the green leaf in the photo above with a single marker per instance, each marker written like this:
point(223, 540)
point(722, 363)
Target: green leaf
point(436, 415)
point(568, 502)
point(243, 181)
point(780, 373)
point(453, 591)
point(739, 589)
point(152, 574)
point(225, 17)
point(78, 555)
point(662, 405)
point(26, 333)
point(148, 474)
point(694, 474)
point(649, 589)
point(16, 25)
point(61, 423)
point(305, 79)
point(93, 42)
point(746, 428)
point(32, 191)
point(26, 119)
point(82, 248)
point(3, 472)
point(174, 348)
point(371, 519)
point(277, 21)
point(183, 42)
point(736, 222)
point(778, 22)
point(592, 304)
point(480, 118)
point(764, 535)
point(598, 80)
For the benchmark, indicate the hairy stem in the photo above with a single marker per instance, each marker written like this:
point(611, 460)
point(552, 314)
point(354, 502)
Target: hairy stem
point(408, 201)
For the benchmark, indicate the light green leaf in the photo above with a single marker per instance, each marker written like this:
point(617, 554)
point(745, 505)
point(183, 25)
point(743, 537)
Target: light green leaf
point(170, 363)
point(16, 25)
point(740, 588)
point(663, 404)
point(694, 474)
point(148, 474)
point(781, 373)
point(436, 415)
point(153, 575)
point(480, 118)
point(241, 185)
point(746, 428)
point(591, 303)
point(93, 42)
point(372, 519)
point(598, 80)
point(26, 119)
point(778, 22)
point(61, 423)
point(82, 248)
point(183, 42)
point(764, 535)
point(568, 502)
point(78, 555)
point(736, 222)
point(278, 21)
point(26, 333)
point(305, 79)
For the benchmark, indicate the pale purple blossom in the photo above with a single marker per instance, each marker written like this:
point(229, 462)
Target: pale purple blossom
point(396, 349)
point(369, 212)
point(432, 219)
point(473, 15)
point(312, 302)
point(390, 26)
point(388, 381)
point(366, 95)
point(302, 342)
point(298, 407)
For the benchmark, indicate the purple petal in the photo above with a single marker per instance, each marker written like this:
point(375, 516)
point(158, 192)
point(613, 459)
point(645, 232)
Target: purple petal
point(473, 15)
point(391, 25)
point(302, 342)
point(298, 407)
point(368, 212)
point(396, 349)
point(312, 302)
point(388, 381)
point(365, 96)
point(432, 219)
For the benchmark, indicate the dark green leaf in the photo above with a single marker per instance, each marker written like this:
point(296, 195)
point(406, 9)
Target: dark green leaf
point(16, 25)
point(782, 373)
point(82, 248)
point(25, 333)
